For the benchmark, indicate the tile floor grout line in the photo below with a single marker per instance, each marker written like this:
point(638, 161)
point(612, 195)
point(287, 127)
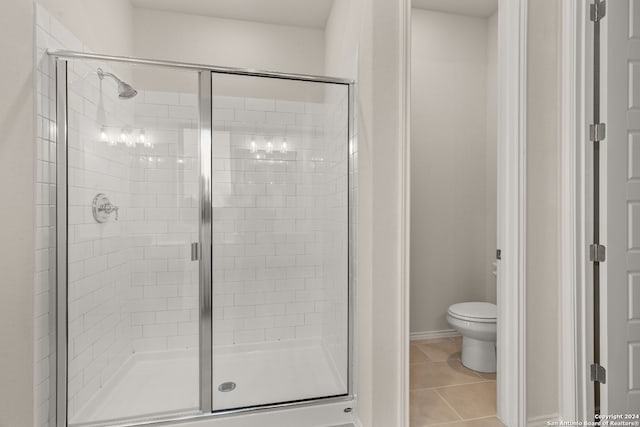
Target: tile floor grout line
point(446, 423)
point(421, 351)
point(458, 385)
point(451, 385)
point(449, 405)
point(465, 419)
point(483, 418)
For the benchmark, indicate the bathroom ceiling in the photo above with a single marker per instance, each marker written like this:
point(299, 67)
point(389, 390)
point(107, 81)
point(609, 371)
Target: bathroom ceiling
point(300, 13)
point(481, 8)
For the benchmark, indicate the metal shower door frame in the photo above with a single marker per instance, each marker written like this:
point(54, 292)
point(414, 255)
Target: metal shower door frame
point(206, 72)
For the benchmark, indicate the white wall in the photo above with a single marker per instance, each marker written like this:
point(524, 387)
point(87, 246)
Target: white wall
point(17, 154)
point(341, 38)
point(453, 164)
point(357, 29)
point(381, 160)
point(347, 52)
point(224, 42)
point(543, 207)
point(491, 158)
point(105, 27)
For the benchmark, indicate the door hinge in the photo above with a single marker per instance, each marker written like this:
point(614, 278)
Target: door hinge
point(597, 132)
point(498, 254)
point(598, 11)
point(597, 253)
point(598, 373)
point(194, 251)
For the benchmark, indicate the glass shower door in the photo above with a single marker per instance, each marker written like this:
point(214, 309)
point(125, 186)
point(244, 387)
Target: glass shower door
point(203, 240)
point(280, 240)
point(132, 216)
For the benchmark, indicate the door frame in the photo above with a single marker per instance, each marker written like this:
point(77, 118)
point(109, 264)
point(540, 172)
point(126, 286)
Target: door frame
point(576, 339)
point(512, 186)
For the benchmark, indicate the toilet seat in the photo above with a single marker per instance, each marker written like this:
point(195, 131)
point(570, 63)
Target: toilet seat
point(480, 312)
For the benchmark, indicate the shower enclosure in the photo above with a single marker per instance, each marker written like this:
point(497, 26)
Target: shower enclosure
point(203, 241)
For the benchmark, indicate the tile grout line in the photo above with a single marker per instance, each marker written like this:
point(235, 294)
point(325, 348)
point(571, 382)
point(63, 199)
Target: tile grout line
point(467, 419)
point(483, 418)
point(458, 385)
point(448, 404)
point(424, 354)
point(448, 423)
point(452, 385)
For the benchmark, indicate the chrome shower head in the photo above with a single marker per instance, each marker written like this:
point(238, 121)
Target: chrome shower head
point(125, 90)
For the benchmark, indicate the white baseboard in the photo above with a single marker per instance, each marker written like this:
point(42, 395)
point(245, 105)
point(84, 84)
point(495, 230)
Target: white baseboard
point(429, 335)
point(542, 420)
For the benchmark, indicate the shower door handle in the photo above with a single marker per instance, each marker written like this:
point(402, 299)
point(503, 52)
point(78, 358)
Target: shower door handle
point(194, 251)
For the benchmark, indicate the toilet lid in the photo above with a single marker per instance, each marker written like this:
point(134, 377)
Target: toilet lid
point(483, 311)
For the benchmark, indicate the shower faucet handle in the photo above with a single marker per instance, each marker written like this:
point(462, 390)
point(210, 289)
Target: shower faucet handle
point(103, 208)
point(109, 208)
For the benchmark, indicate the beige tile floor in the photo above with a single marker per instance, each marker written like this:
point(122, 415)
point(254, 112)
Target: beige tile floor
point(444, 392)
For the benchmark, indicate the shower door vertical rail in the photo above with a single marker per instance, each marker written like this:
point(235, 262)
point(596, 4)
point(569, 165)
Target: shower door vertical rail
point(60, 310)
point(352, 153)
point(205, 261)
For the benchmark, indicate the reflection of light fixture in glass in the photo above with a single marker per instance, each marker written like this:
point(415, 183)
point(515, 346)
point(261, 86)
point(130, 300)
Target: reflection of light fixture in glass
point(127, 138)
point(254, 147)
point(269, 147)
point(146, 141)
point(283, 146)
point(180, 161)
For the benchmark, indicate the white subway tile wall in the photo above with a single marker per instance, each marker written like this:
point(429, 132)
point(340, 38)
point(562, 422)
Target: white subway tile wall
point(279, 210)
point(50, 34)
point(131, 287)
point(165, 192)
point(99, 254)
point(337, 219)
point(134, 286)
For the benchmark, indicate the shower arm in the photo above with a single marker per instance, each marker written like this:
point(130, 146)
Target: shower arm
point(102, 74)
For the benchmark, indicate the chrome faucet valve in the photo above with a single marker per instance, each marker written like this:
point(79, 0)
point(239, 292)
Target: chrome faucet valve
point(103, 208)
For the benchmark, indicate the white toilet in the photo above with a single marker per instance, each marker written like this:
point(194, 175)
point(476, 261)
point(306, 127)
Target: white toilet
point(476, 322)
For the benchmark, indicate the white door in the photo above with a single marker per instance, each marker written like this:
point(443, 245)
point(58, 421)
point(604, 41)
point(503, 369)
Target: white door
point(621, 207)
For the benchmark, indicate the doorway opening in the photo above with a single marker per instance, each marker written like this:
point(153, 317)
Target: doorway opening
point(453, 212)
point(435, 101)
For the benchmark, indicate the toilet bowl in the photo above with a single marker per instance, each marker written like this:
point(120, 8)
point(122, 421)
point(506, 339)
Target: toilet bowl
point(476, 322)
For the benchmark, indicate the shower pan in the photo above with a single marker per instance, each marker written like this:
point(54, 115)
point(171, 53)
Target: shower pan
point(204, 245)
